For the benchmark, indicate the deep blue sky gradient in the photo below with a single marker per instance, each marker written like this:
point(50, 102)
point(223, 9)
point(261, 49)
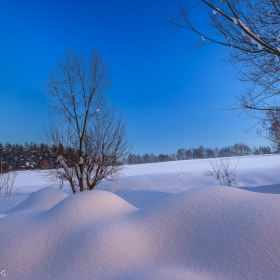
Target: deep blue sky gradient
point(170, 98)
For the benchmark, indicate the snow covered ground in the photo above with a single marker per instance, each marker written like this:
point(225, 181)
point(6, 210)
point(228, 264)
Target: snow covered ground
point(161, 221)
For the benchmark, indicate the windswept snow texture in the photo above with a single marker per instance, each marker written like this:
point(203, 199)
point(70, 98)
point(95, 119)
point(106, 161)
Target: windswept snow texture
point(204, 233)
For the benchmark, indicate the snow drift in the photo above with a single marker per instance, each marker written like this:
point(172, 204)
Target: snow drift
point(43, 199)
point(204, 233)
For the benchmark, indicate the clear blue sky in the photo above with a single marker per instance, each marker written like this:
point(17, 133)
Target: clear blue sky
point(170, 98)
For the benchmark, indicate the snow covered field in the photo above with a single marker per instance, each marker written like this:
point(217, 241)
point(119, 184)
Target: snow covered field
point(161, 221)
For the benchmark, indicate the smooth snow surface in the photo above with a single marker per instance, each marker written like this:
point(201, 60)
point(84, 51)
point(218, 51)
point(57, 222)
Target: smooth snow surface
point(142, 199)
point(9, 202)
point(205, 233)
point(43, 199)
point(178, 176)
point(153, 232)
point(170, 177)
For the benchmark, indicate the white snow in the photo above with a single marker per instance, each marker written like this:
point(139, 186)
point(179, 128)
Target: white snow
point(43, 199)
point(215, 11)
point(254, 38)
point(174, 223)
point(178, 176)
point(235, 21)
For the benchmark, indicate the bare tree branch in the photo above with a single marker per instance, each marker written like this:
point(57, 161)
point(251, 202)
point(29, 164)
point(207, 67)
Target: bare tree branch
point(83, 124)
point(250, 31)
point(222, 172)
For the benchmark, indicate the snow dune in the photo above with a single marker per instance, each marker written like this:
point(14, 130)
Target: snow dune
point(204, 233)
point(174, 223)
point(43, 199)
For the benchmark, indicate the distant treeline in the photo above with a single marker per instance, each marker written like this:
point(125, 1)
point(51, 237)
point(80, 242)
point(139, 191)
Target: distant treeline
point(238, 149)
point(30, 156)
point(42, 156)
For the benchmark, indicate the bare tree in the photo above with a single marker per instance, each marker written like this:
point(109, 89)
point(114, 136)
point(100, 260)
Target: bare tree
point(7, 181)
point(82, 122)
point(250, 30)
point(222, 172)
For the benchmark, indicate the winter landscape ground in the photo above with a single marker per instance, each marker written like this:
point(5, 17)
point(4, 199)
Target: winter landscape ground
point(161, 221)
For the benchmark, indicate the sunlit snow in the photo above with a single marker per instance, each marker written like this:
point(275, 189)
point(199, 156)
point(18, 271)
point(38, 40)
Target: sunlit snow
point(161, 221)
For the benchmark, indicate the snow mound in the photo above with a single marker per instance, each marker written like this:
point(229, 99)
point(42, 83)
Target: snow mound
point(91, 206)
point(205, 233)
point(9, 202)
point(43, 199)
